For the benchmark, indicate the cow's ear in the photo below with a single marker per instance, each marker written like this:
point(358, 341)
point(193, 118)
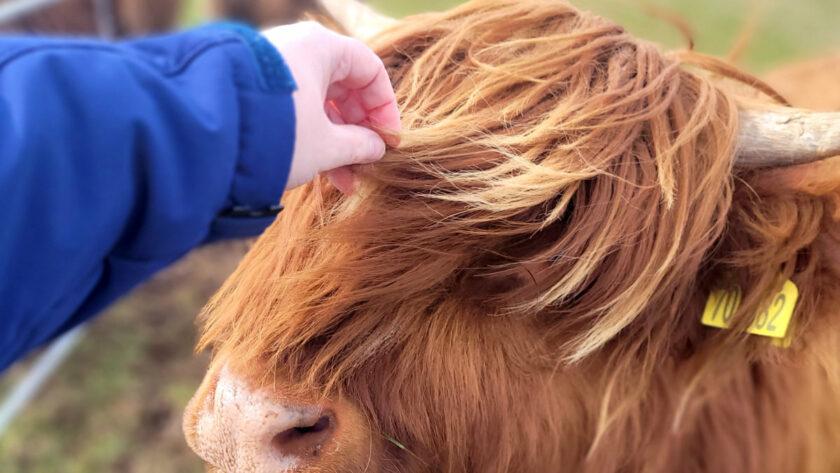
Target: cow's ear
point(819, 179)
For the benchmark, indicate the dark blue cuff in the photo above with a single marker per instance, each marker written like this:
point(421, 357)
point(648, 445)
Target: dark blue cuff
point(267, 136)
point(274, 72)
point(238, 227)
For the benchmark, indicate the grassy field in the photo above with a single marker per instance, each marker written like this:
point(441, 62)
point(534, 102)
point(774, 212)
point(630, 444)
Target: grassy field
point(786, 29)
point(116, 404)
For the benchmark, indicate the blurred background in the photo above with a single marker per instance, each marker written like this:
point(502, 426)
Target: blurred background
point(115, 405)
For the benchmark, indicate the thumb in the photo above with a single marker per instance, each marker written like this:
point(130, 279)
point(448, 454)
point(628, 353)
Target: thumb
point(353, 144)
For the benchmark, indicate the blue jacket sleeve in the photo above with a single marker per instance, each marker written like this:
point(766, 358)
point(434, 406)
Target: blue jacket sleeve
point(117, 159)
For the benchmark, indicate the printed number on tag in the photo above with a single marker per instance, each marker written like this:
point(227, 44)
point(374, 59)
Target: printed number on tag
point(770, 322)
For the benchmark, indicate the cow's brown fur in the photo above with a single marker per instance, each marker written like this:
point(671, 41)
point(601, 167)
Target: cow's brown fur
point(811, 84)
point(265, 12)
point(518, 286)
point(132, 17)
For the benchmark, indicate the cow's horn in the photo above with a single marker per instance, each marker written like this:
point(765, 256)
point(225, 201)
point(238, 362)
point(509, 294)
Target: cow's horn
point(786, 136)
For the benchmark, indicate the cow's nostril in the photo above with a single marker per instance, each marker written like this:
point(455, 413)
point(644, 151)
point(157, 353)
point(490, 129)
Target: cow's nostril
point(306, 439)
point(323, 423)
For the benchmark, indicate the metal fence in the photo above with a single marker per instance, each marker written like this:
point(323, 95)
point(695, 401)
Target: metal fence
point(40, 372)
point(11, 10)
point(105, 16)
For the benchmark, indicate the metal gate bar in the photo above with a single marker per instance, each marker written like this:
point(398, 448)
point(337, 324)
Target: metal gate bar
point(37, 375)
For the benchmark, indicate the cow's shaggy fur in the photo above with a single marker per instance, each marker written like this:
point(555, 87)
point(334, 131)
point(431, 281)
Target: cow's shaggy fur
point(518, 286)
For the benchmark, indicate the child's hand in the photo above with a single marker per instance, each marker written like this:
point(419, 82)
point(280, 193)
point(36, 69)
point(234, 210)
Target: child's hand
point(343, 95)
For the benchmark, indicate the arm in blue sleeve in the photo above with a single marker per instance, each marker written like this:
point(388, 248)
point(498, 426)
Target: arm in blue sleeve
point(117, 159)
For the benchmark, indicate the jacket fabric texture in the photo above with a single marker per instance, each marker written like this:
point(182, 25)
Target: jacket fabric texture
point(116, 159)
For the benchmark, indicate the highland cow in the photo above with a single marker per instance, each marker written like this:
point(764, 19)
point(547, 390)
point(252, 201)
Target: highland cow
point(519, 285)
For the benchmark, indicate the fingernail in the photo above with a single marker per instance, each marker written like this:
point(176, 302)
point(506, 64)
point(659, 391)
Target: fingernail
point(392, 140)
point(390, 136)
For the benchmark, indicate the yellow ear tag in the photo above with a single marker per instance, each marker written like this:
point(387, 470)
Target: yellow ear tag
point(771, 322)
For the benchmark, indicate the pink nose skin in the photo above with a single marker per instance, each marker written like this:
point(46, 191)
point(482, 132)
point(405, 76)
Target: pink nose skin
point(245, 431)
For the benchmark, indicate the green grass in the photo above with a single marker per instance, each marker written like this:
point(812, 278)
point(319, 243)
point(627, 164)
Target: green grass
point(193, 12)
point(787, 29)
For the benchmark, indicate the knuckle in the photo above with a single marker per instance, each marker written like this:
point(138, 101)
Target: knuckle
point(310, 26)
point(361, 149)
point(309, 30)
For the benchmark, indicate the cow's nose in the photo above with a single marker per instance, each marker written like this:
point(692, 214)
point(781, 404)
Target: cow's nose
point(305, 434)
point(247, 430)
